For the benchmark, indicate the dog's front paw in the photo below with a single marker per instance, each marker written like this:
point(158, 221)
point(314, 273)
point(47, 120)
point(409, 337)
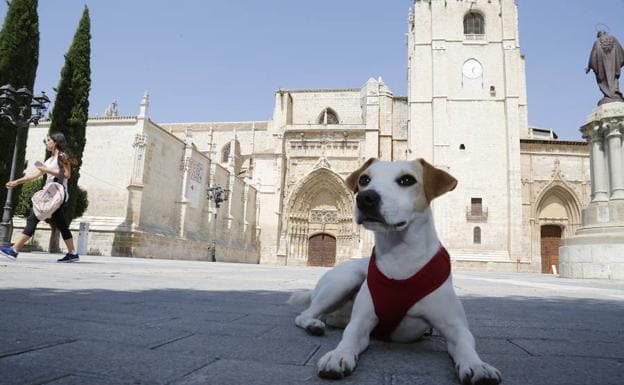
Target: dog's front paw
point(313, 326)
point(316, 328)
point(478, 374)
point(337, 364)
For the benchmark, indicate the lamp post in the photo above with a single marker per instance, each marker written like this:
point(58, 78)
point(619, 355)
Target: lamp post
point(217, 194)
point(20, 108)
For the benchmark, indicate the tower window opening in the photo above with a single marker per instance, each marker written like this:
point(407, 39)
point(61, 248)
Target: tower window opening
point(328, 116)
point(474, 26)
point(476, 206)
point(225, 153)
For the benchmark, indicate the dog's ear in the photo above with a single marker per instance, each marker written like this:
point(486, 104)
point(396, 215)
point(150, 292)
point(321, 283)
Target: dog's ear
point(352, 180)
point(436, 182)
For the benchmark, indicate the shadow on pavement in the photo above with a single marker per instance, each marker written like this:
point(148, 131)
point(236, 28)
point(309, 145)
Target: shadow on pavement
point(248, 337)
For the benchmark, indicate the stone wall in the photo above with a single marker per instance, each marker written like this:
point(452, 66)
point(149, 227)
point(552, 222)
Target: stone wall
point(307, 105)
point(211, 138)
point(275, 155)
point(147, 193)
point(400, 116)
point(162, 182)
point(555, 187)
point(470, 122)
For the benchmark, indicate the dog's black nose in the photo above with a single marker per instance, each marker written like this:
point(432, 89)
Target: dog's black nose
point(368, 201)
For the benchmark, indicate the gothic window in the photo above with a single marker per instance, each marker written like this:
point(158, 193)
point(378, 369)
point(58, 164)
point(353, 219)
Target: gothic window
point(476, 235)
point(328, 116)
point(474, 26)
point(225, 153)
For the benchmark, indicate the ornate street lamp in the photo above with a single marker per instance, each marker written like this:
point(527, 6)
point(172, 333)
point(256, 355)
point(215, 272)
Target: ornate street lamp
point(20, 108)
point(217, 194)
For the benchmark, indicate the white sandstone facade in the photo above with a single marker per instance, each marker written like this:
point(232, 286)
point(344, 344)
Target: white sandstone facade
point(147, 192)
point(520, 190)
point(467, 100)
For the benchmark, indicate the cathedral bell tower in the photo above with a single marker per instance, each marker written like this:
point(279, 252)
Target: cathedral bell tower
point(467, 113)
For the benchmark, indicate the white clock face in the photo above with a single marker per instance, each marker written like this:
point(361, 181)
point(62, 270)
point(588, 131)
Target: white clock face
point(472, 69)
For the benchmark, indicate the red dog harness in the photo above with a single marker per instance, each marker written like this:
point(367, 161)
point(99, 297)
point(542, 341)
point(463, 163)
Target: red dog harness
point(392, 298)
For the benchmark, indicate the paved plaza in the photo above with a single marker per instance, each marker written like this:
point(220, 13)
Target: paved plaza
point(107, 320)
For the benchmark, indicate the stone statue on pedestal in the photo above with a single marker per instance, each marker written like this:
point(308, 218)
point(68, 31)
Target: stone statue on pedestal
point(111, 110)
point(596, 250)
point(606, 60)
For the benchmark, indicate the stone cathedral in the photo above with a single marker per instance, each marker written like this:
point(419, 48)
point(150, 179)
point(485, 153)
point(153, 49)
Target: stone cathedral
point(520, 189)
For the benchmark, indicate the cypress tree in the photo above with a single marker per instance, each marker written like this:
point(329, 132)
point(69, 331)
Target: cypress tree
point(19, 57)
point(71, 111)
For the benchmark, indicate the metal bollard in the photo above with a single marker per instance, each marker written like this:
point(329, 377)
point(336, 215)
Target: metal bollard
point(83, 238)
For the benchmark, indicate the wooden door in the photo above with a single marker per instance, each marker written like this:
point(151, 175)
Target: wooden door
point(551, 240)
point(322, 250)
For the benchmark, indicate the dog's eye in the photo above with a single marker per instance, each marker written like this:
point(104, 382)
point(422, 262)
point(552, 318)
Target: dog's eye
point(364, 180)
point(406, 180)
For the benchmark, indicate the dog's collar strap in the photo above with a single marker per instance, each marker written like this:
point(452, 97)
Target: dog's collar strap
point(392, 298)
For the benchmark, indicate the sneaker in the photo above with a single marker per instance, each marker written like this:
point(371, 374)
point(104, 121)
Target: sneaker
point(69, 258)
point(8, 252)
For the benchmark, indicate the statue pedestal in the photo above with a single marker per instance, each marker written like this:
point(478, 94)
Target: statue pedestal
point(597, 248)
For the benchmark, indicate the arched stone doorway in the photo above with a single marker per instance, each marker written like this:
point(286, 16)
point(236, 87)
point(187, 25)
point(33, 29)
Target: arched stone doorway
point(322, 250)
point(550, 239)
point(557, 216)
point(320, 203)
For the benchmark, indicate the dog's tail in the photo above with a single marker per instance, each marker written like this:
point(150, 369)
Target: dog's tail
point(301, 298)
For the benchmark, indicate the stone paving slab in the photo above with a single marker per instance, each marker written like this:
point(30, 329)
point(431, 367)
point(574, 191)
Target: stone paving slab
point(242, 348)
point(565, 370)
point(554, 348)
point(259, 373)
point(108, 320)
point(82, 379)
point(145, 337)
point(208, 327)
point(109, 360)
point(27, 372)
point(12, 343)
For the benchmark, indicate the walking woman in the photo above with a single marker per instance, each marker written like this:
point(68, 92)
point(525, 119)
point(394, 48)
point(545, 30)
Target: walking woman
point(57, 169)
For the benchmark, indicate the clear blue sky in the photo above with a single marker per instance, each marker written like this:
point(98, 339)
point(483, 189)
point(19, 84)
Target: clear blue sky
point(223, 60)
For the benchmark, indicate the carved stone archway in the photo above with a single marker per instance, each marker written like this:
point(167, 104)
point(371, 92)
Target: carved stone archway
point(559, 194)
point(319, 203)
point(555, 206)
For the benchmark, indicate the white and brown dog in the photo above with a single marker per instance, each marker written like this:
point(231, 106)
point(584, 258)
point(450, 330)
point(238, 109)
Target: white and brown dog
point(405, 288)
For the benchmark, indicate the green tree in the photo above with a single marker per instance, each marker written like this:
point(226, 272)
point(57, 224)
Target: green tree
point(71, 111)
point(19, 57)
